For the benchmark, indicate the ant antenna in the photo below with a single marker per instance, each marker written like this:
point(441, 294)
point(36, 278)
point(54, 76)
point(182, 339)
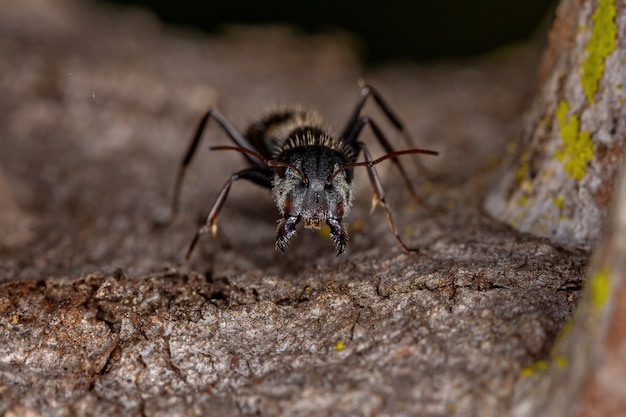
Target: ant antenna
point(268, 162)
point(376, 161)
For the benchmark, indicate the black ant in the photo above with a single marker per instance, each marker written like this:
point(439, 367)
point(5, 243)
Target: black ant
point(309, 171)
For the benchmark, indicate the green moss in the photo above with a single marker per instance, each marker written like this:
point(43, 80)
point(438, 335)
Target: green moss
point(600, 287)
point(600, 44)
point(577, 148)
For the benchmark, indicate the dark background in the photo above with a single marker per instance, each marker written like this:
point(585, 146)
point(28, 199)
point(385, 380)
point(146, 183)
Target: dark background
point(399, 30)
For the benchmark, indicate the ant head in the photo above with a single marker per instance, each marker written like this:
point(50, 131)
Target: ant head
point(307, 188)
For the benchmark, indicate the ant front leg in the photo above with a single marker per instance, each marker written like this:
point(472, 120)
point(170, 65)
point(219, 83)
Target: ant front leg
point(256, 175)
point(232, 133)
point(382, 139)
point(379, 196)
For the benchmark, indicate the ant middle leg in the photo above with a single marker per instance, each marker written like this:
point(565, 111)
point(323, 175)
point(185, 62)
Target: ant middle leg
point(379, 196)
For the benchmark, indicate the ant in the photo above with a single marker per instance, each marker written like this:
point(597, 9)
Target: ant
point(309, 171)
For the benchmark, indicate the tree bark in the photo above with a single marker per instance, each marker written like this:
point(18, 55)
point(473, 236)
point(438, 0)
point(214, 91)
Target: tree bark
point(561, 187)
point(573, 143)
point(584, 375)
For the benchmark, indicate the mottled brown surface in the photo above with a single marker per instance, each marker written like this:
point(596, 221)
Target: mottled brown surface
point(100, 316)
point(585, 374)
point(573, 137)
point(606, 393)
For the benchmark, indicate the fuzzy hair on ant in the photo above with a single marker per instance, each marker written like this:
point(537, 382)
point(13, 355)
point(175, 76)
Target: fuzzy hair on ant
point(309, 171)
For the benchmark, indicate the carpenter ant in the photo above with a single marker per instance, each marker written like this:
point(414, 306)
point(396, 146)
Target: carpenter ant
point(309, 171)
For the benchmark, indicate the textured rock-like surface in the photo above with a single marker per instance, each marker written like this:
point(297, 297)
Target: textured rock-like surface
point(574, 131)
point(585, 374)
point(98, 316)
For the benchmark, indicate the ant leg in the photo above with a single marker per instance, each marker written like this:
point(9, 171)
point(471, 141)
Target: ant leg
point(367, 91)
point(234, 135)
point(353, 119)
point(256, 175)
point(379, 197)
point(382, 139)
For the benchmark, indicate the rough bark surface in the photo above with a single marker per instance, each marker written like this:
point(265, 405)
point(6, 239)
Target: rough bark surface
point(585, 374)
point(574, 130)
point(99, 316)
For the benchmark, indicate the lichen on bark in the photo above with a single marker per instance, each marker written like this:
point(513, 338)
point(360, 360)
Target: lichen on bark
point(600, 44)
point(571, 151)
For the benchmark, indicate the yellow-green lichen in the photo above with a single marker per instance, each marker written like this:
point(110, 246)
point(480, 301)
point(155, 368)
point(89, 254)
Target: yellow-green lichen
point(521, 172)
point(558, 201)
point(577, 148)
point(526, 188)
point(339, 345)
point(560, 361)
point(534, 369)
point(538, 228)
point(511, 147)
point(524, 184)
point(600, 44)
point(600, 287)
point(523, 167)
point(556, 359)
point(564, 331)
